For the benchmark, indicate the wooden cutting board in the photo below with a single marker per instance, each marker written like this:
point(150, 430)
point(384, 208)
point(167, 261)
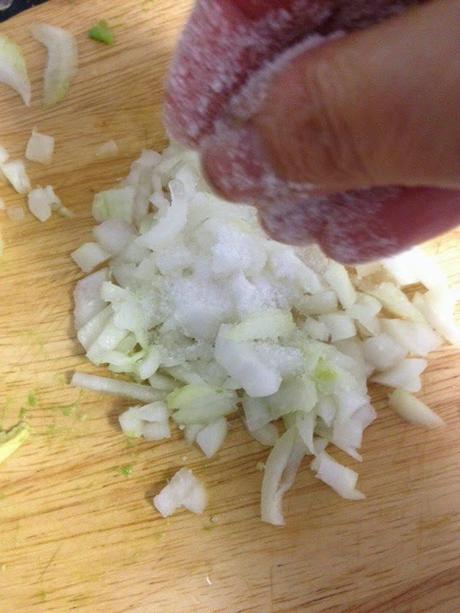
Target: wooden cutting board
point(77, 532)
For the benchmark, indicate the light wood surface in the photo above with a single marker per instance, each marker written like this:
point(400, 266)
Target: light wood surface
point(76, 534)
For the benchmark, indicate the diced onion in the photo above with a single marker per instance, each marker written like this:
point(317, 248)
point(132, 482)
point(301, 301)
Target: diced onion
point(16, 174)
point(280, 470)
point(40, 148)
point(383, 352)
point(62, 61)
point(89, 255)
point(197, 302)
point(144, 393)
point(13, 69)
point(107, 150)
point(211, 438)
point(414, 410)
point(184, 490)
point(340, 478)
point(40, 202)
point(405, 375)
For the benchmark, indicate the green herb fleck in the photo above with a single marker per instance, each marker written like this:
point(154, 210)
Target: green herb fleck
point(32, 399)
point(51, 430)
point(102, 33)
point(42, 596)
point(126, 470)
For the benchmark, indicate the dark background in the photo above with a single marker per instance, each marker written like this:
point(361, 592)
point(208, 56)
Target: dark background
point(17, 7)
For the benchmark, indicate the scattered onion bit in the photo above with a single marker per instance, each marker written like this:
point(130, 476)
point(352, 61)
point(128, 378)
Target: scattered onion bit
point(414, 410)
point(11, 441)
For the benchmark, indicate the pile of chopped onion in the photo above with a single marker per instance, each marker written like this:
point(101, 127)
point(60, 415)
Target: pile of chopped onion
point(189, 299)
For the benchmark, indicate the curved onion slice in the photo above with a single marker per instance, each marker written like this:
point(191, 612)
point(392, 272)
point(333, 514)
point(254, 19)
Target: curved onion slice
point(414, 410)
point(280, 471)
point(62, 61)
point(13, 69)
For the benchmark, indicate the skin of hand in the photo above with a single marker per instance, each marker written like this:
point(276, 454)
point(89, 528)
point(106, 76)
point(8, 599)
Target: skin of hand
point(351, 139)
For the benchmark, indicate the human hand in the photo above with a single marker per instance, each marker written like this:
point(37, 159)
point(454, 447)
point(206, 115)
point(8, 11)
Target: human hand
point(314, 132)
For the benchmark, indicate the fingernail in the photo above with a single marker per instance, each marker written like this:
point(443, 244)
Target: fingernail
point(237, 167)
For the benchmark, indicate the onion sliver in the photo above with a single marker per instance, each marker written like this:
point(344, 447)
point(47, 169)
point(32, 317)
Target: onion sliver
point(62, 61)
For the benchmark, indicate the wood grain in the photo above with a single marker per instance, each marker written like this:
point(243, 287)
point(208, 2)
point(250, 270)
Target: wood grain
point(79, 535)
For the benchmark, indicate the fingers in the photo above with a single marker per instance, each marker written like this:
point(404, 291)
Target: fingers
point(372, 108)
point(223, 43)
point(331, 115)
point(367, 225)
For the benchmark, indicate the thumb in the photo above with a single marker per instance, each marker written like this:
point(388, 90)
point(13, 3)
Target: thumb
point(376, 107)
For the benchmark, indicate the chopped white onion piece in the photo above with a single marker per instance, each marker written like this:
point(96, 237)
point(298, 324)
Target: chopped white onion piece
point(257, 413)
point(150, 363)
point(113, 235)
point(40, 148)
point(114, 203)
point(201, 404)
point(94, 325)
point(143, 393)
point(162, 382)
point(340, 478)
point(339, 325)
point(13, 69)
point(149, 421)
point(324, 302)
point(211, 438)
point(415, 266)
point(438, 307)
point(295, 394)
point(414, 410)
point(89, 255)
point(16, 174)
point(395, 301)
point(337, 277)
point(305, 423)
point(107, 150)
point(280, 471)
point(184, 490)
point(40, 202)
point(416, 338)
point(316, 329)
point(264, 325)
point(87, 299)
point(383, 352)
point(266, 436)
point(62, 61)
point(243, 364)
point(326, 409)
point(169, 226)
point(405, 375)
